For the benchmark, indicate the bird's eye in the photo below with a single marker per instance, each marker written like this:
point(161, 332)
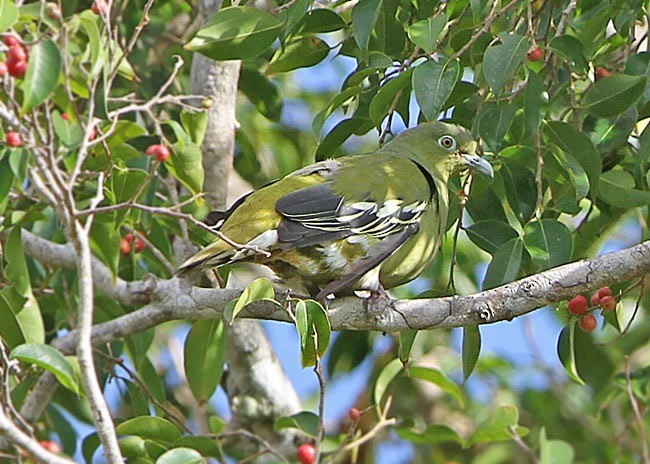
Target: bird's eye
point(447, 142)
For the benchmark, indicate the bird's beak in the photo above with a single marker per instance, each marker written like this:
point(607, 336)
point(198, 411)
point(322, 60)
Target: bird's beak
point(478, 164)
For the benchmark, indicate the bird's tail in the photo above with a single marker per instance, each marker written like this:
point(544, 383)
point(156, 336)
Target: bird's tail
point(214, 255)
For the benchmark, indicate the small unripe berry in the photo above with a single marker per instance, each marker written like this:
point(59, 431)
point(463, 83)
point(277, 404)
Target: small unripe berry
point(3, 68)
point(306, 453)
point(354, 414)
point(92, 134)
point(578, 305)
point(608, 303)
point(14, 139)
point(602, 72)
point(65, 116)
point(587, 322)
point(535, 54)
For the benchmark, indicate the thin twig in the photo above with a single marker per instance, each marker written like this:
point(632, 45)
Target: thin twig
point(637, 412)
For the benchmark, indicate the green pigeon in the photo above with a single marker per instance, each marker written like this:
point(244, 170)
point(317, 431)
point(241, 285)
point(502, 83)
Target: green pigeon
point(362, 222)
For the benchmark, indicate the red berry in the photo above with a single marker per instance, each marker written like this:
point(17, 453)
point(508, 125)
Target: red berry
point(354, 414)
point(16, 68)
point(578, 305)
point(17, 53)
point(306, 453)
point(53, 10)
point(125, 246)
point(14, 139)
point(65, 116)
point(161, 152)
point(602, 72)
point(92, 134)
point(10, 40)
point(608, 303)
point(139, 244)
point(535, 54)
point(595, 299)
point(51, 446)
point(99, 6)
point(3, 68)
point(587, 322)
point(604, 291)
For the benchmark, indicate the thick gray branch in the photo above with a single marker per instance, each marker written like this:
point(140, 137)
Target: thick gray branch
point(176, 299)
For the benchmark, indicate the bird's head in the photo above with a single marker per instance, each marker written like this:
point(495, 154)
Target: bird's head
point(441, 147)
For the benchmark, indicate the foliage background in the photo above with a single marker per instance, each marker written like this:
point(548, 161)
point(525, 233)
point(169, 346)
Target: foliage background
point(571, 149)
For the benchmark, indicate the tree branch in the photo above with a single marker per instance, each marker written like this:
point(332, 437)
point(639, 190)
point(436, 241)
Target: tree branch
point(177, 299)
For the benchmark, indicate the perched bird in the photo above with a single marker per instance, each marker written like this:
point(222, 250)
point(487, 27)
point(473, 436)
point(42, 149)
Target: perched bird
point(362, 222)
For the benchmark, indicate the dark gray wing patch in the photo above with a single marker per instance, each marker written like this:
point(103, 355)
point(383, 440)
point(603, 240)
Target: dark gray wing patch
point(316, 214)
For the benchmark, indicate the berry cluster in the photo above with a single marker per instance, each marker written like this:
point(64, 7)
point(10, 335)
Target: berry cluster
point(578, 306)
point(16, 64)
point(127, 243)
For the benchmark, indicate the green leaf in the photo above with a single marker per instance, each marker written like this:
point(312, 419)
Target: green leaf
point(105, 242)
point(617, 189)
point(384, 379)
point(262, 93)
point(236, 33)
point(549, 243)
point(502, 60)
point(566, 351)
point(133, 447)
point(8, 14)
point(615, 94)
point(124, 183)
point(50, 359)
point(181, 456)
point(154, 428)
point(314, 330)
point(205, 445)
point(383, 100)
point(69, 134)
point(572, 49)
point(437, 378)
point(433, 83)
point(406, 339)
point(490, 234)
point(125, 131)
point(11, 303)
point(320, 20)
point(505, 264)
point(425, 33)
point(497, 427)
point(259, 289)
point(305, 421)
point(205, 355)
point(431, 435)
point(340, 133)
point(494, 122)
point(364, 17)
point(610, 133)
point(42, 76)
point(217, 424)
point(29, 315)
point(554, 451)
point(336, 102)
point(471, 349)
point(195, 124)
point(578, 145)
point(521, 189)
point(186, 165)
point(299, 53)
point(89, 22)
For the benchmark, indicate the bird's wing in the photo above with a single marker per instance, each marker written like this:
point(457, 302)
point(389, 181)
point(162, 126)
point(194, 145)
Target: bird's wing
point(317, 214)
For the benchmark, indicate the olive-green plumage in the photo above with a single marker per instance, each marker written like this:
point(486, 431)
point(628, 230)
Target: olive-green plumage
point(356, 222)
